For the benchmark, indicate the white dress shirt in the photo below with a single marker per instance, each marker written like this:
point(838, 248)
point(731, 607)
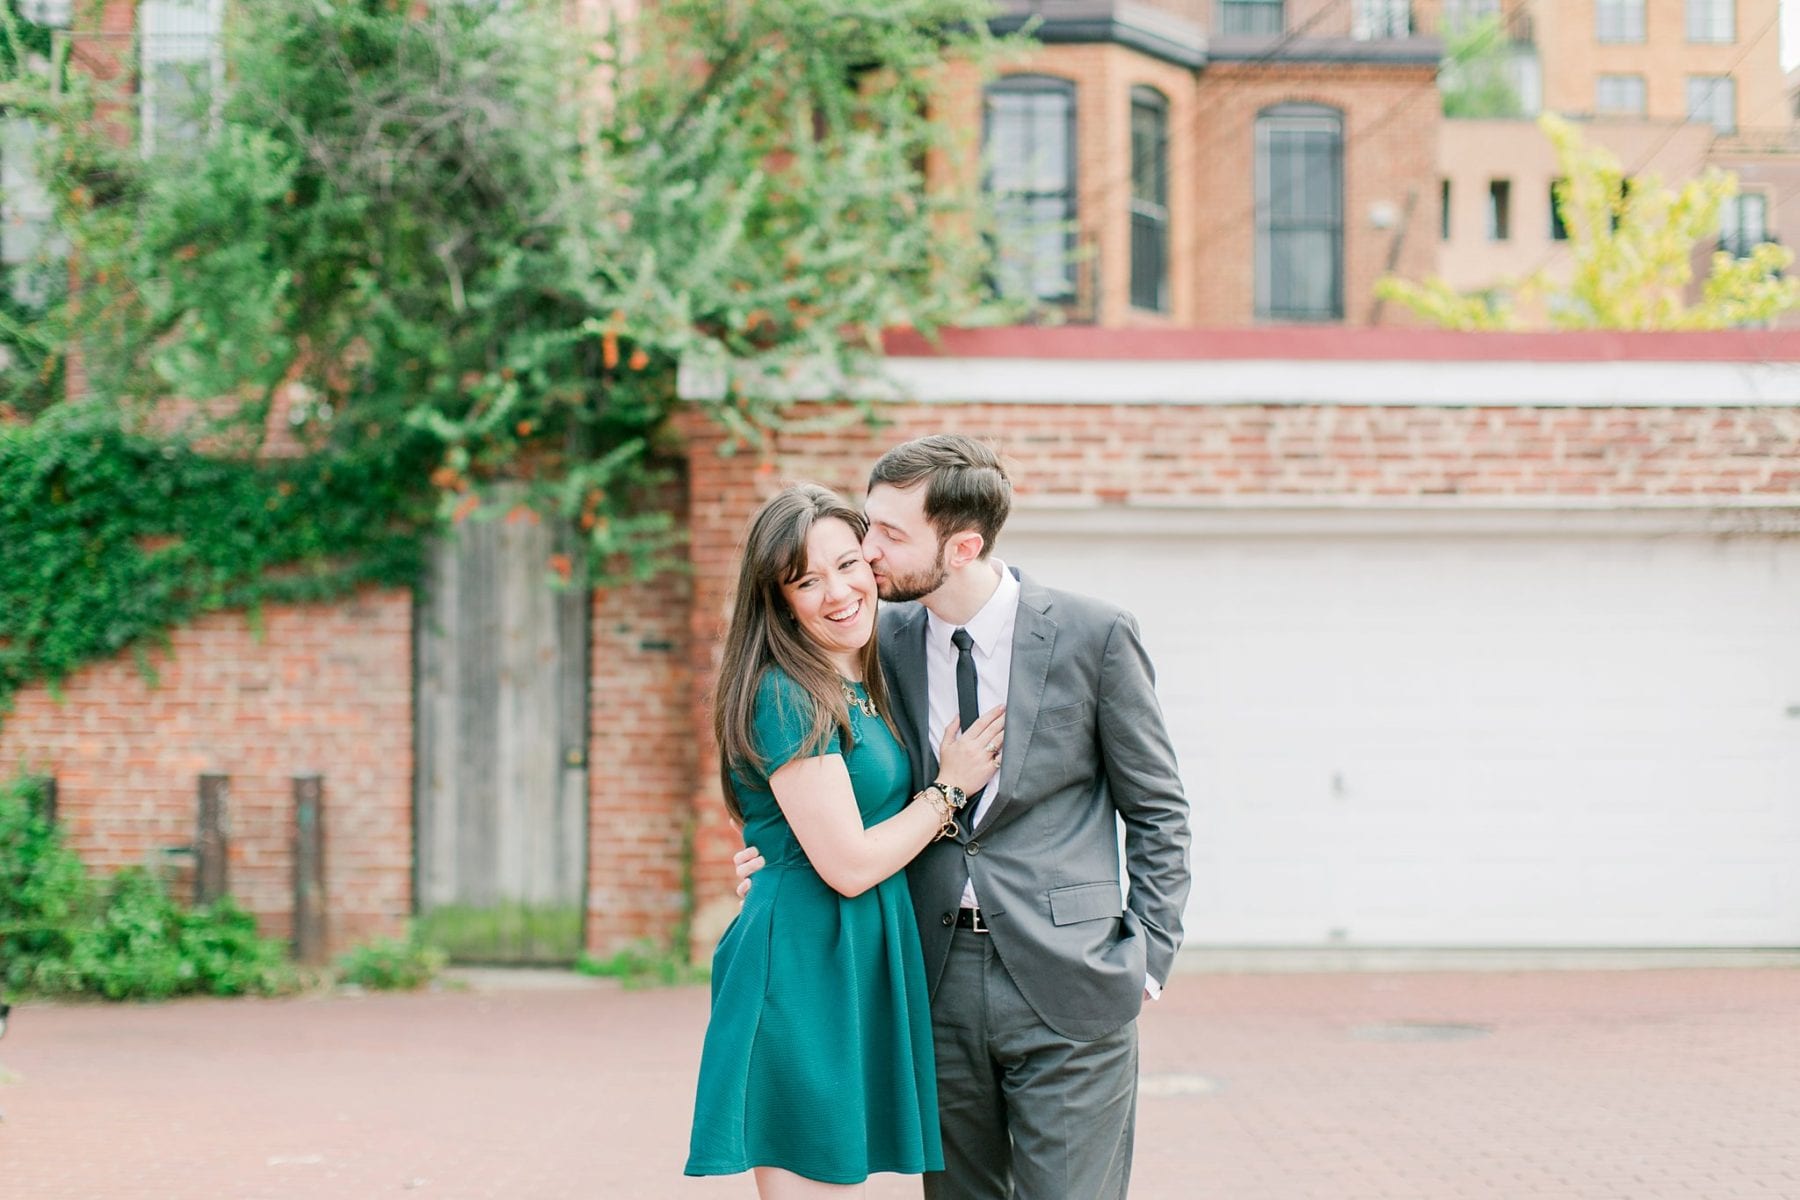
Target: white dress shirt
point(991, 630)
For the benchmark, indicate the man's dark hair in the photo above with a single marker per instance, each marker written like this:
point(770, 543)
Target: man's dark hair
point(965, 485)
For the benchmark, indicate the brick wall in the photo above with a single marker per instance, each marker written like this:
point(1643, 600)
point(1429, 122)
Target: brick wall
point(314, 688)
point(1161, 455)
point(641, 758)
point(330, 688)
point(724, 488)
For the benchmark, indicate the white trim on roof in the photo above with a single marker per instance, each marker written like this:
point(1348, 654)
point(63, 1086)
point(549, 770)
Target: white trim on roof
point(1437, 384)
point(1278, 516)
point(1430, 384)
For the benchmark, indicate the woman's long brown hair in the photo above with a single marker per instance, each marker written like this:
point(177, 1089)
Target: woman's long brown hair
point(763, 634)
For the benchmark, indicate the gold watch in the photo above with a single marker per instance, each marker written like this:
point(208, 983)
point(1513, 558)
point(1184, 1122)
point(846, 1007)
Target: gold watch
point(953, 795)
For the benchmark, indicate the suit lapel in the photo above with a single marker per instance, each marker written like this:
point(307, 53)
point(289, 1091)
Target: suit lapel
point(1034, 640)
point(904, 654)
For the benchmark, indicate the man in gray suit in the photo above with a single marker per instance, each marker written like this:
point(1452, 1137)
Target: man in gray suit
point(1037, 970)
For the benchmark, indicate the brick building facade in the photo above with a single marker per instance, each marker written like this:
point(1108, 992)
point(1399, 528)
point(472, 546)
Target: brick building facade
point(1144, 421)
point(1670, 88)
point(1222, 101)
point(1098, 425)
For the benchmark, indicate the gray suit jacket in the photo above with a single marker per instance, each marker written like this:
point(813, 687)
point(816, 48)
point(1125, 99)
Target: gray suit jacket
point(1084, 741)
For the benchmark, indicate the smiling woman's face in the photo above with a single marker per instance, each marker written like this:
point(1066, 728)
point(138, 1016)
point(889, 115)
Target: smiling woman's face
point(833, 600)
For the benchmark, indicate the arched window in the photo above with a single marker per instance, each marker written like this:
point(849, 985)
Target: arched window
point(1029, 131)
point(1300, 213)
point(1149, 199)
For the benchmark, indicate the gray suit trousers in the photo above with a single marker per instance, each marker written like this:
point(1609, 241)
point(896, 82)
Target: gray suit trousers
point(1027, 1114)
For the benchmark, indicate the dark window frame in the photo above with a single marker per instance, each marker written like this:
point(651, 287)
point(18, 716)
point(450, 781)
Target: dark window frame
point(1499, 210)
point(1272, 301)
point(1250, 18)
point(1734, 238)
point(1034, 85)
point(1149, 203)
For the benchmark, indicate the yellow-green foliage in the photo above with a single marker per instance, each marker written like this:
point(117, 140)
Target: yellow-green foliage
point(1633, 247)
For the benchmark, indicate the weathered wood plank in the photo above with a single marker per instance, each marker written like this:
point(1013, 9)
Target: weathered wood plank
point(502, 796)
point(212, 840)
point(309, 869)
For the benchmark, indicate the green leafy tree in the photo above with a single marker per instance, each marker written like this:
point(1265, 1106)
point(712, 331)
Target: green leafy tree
point(435, 249)
point(1474, 81)
point(29, 373)
point(1633, 245)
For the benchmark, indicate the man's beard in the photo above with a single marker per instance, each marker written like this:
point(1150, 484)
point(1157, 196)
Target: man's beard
point(900, 588)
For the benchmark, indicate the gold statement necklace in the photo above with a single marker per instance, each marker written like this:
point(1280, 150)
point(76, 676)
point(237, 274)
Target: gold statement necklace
point(860, 703)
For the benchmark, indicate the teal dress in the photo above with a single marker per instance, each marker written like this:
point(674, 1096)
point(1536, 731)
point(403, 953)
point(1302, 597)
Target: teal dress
point(818, 1057)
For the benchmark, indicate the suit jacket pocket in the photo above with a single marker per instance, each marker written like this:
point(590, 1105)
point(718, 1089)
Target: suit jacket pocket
point(1085, 902)
point(1064, 714)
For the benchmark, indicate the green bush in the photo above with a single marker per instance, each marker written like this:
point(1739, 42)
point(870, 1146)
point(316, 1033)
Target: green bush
point(391, 964)
point(60, 934)
point(644, 964)
point(44, 892)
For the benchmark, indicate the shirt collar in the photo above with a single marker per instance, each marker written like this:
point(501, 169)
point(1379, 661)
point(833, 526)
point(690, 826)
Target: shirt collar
point(990, 626)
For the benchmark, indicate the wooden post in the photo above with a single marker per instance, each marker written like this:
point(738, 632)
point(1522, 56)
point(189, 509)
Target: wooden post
point(309, 869)
point(43, 797)
point(211, 878)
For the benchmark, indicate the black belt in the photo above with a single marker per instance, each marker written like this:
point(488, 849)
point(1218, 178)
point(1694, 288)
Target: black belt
point(970, 919)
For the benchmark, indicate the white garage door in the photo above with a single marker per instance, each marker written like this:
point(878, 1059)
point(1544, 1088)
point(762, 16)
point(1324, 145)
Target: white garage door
point(1478, 740)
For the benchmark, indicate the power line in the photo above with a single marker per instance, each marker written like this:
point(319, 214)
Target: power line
point(1675, 127)
point(1100, 196)
point(1381, 121)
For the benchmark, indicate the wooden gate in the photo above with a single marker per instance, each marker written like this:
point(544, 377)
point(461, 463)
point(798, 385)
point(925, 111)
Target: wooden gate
point(501, 793)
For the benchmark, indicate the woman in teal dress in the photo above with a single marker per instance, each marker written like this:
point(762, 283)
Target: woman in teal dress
point(817, 1069)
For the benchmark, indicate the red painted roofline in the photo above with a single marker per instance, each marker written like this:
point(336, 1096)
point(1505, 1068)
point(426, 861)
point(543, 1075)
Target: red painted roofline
point(1330, 344)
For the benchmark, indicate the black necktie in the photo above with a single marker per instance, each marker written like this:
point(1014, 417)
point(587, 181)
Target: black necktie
point(968, 708)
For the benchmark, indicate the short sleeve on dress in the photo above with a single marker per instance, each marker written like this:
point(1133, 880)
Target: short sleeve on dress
point(782, 724)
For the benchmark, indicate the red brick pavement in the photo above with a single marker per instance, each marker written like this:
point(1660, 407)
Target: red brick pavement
point(1634, 1085)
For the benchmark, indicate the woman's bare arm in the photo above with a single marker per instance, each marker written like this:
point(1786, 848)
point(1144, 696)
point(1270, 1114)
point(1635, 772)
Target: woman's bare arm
point(819, 803)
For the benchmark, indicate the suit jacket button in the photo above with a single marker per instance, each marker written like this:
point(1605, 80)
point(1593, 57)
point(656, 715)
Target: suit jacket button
point(972, 848)
point(949, 919)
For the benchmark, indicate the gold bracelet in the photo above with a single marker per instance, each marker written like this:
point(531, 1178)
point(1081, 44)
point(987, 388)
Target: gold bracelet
point(940, 804)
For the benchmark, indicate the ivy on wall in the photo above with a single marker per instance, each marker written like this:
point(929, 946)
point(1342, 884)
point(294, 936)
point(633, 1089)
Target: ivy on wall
point(111, 539)
point(447, 250)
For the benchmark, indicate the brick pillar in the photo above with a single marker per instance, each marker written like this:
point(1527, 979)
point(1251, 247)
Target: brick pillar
point(723, 491)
